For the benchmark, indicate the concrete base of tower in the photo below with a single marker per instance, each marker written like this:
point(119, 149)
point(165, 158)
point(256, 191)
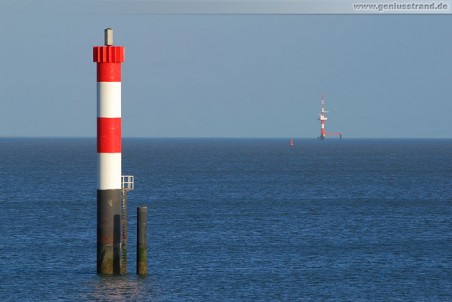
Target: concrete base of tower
point(108, 231)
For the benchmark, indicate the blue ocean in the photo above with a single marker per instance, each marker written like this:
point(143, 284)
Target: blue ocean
point(234, 220)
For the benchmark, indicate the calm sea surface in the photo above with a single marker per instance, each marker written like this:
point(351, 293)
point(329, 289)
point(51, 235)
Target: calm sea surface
point(233, 220)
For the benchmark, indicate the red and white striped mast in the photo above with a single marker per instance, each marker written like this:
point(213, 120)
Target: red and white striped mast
point(322, 119)
point(108, 59)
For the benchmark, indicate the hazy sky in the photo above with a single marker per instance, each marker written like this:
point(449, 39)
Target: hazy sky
point(205, 75)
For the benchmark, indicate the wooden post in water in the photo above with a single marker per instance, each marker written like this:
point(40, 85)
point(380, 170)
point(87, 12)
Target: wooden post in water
point(141, 240)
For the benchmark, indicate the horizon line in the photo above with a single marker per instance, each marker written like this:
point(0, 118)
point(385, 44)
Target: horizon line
point(221, 137)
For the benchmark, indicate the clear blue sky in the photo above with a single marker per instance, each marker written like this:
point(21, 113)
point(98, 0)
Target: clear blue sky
point(383, 76)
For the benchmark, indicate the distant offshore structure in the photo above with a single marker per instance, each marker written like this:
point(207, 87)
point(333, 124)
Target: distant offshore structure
point(322, 119)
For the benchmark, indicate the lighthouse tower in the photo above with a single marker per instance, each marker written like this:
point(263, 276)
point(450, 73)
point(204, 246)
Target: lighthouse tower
point(108, 59)
point(322, 119)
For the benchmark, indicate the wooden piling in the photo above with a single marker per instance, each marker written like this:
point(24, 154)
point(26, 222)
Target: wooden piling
point(141, 240)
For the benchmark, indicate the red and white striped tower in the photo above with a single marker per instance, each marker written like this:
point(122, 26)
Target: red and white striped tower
point(322, 119)
point(108, 59)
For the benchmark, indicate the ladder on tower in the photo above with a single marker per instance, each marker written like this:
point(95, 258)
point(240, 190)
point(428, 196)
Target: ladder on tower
point(127, 184)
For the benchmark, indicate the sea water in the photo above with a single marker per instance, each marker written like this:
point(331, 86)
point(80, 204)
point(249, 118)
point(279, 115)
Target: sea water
point(233, 220)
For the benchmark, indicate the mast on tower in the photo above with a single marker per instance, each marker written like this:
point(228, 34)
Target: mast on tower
point(322, 119)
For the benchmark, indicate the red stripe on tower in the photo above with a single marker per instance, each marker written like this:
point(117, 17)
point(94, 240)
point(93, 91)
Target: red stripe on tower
point(108, 135)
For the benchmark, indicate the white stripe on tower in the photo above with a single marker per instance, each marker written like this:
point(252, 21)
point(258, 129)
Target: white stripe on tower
point(109, 99)
point(109, 167)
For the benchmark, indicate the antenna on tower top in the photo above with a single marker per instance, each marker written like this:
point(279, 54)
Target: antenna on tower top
point(108, 36)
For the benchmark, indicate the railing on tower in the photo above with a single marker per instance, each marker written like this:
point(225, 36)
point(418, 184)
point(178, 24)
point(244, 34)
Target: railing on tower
point(127, 182)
